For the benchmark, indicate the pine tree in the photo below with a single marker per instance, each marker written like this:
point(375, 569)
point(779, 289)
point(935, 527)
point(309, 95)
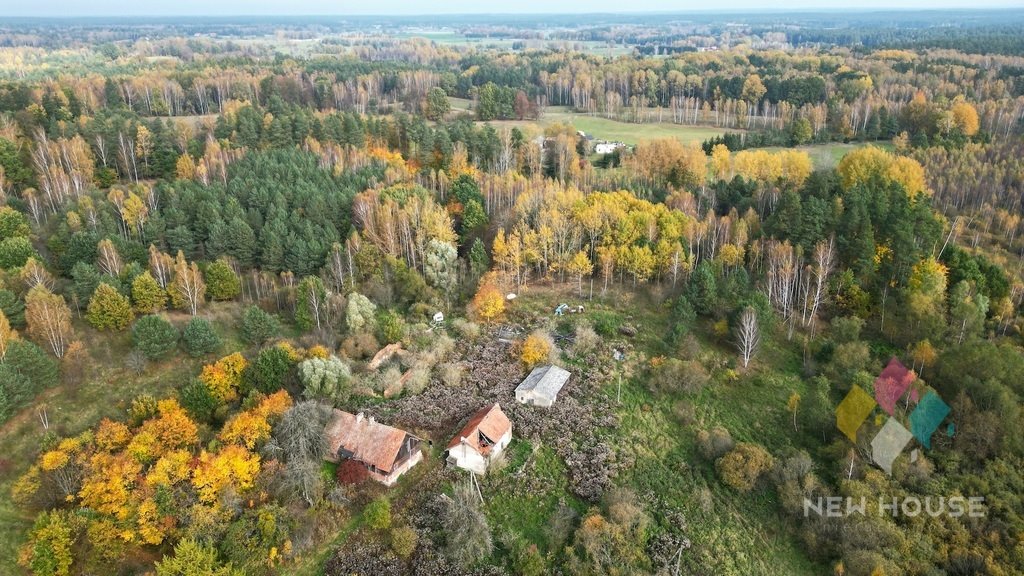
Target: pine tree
point(147, 294)
point(221, 281)
point(109, 309)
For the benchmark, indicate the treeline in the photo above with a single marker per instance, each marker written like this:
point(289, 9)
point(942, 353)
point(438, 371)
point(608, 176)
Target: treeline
point(842, 95)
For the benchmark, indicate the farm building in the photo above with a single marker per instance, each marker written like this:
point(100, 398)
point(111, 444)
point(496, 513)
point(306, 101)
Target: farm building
point(385, 452)
point(481, 440)
point(541, 387)
point(607, 147)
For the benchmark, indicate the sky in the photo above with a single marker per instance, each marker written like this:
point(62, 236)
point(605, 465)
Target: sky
point(405, 7)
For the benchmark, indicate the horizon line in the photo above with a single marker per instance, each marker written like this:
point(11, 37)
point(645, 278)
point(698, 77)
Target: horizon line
point(709, 11)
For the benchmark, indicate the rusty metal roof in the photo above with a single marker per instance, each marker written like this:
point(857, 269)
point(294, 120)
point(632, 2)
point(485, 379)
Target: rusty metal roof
point(367, 440)
point(490, 421)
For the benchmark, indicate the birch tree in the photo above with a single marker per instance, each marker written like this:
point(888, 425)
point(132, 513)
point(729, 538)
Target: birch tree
point(49, 319)
point(748, 335)
point(189, 286)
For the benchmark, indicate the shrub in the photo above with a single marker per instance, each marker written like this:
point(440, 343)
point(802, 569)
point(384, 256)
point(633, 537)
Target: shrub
point(377, 514)
point(154, 336)
point(403, 541)
point(468, 330)
point(586, 341)
point(200, 337)
point(258, 326)
point(672, 375)
point(359, 313)
point(390, 327)
point(450, 374)
point(715, 443)
point(536, 349)
point(136, 362)
point(606, 323)
point(743, 466)
point(358, 346)
point(418, 380)
point(326, 379)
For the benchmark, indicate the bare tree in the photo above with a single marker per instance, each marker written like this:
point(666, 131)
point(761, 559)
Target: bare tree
point(748, 335)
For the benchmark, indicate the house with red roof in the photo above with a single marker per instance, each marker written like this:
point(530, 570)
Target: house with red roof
point(384, 451)
point(481, 440)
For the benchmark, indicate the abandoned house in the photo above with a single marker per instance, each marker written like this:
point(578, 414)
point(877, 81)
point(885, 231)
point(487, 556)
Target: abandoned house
point(481, 440)
point(385, 452)
point(541, 387)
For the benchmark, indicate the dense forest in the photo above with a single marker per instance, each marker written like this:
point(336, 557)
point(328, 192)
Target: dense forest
point(211, 238)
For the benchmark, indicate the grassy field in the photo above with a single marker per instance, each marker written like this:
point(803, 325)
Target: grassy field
point(825, 156)
point(732, 533)
point(604, 128)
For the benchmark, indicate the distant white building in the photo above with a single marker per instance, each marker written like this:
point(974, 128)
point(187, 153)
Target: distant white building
point(541, 387)
point(481, 440)
point(607, 147)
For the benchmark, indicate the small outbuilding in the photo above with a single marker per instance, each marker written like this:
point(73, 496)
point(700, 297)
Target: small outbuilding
point(384, 451)
point(541, 387)
point(481, 440)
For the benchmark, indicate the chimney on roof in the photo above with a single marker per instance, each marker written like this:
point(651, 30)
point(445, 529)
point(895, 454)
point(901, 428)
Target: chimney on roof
point(372, 421)
point(359, 417)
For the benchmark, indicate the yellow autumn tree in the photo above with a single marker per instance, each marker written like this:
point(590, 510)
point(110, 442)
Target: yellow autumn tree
point(170, 429)
point(870, 163)
point(49, 320)
point(965, 117)
point(107, 487)
point(536, 349)
point(169, 469)
point(224, 377)
point(247, 428)
point(580, 266)
point(7, 335)
point(721, 162)
point(233, 466)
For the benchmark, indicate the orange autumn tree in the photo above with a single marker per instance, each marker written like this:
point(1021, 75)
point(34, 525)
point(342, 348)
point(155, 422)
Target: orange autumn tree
point(171, 429)
point(252, 427)
point(488, 304)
